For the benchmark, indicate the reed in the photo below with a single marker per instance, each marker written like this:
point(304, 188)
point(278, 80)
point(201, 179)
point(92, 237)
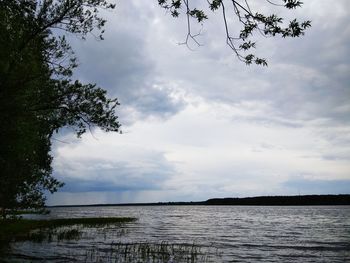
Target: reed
point(36, 230)
point(163, 252)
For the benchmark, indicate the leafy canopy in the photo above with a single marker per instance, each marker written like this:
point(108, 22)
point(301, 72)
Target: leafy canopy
point(38, 95)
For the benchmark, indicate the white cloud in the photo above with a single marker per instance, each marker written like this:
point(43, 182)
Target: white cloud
point(201, 124)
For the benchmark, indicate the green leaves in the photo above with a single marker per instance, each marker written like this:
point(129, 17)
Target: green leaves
point(82, 107)
point(215, 4)
point(173, 6)
point(249, 59)
point(37, 95)
point(198, 14)
point(247, 45)
point(292, 4)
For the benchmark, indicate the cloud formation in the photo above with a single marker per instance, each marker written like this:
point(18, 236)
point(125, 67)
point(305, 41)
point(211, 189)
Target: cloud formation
point(200, 124)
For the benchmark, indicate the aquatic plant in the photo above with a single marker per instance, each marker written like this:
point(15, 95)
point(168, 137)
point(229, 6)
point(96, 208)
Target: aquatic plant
point(28, 229)
point(150, 252)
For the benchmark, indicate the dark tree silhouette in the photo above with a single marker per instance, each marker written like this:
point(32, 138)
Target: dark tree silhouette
point(38, 96)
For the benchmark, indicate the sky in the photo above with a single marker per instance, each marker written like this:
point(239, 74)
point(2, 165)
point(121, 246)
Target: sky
point(198, 124)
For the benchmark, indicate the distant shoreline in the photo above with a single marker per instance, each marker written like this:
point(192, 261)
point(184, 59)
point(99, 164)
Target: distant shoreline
point(296, 200)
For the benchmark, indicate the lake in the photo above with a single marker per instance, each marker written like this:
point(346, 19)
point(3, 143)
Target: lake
point(202, 234)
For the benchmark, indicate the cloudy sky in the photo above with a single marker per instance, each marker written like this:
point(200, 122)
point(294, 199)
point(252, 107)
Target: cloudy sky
point(199, 124)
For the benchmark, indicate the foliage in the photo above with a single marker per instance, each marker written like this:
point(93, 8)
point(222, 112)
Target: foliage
point(267, 25)
point(38, 95)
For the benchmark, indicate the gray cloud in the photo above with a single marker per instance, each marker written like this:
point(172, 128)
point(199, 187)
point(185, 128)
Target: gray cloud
point(216, 110)
point(121, 65)
point(148, 171)
point(308, 78)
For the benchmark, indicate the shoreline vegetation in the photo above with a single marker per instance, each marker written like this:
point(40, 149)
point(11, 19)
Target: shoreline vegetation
point(22, 229)
point(296, 200)
point(73, 229)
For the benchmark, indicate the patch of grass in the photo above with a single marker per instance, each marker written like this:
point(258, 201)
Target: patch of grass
point(29, 211)
point(150, 252)
point(69, 234)
point(54, 234)
point(19, 229)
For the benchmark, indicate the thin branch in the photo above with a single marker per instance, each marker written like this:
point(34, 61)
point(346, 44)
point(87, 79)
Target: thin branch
point(189, 33)
point(228, 37)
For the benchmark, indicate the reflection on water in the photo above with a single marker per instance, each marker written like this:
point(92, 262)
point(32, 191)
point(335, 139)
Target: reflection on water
point(218, 233)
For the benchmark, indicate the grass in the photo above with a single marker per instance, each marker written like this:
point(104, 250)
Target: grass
point(54, 234)
point(57, 230)
point(150, 252)
point(20, 229)
point(69, 234)
point(28, 211)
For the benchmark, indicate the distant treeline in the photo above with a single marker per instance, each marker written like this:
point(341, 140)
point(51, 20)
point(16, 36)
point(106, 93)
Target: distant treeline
point(283, 200)
point(259, 200)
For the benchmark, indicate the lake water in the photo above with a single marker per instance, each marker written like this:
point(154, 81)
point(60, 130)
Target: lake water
point(221, 233)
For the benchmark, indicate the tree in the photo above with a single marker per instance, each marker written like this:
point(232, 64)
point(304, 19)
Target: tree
point(38, 96)
point(266, 25)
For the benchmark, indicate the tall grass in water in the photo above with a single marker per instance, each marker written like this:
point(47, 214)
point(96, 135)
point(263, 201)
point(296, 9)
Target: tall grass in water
point(163, 252)
point(50, 235)
point(59, 229)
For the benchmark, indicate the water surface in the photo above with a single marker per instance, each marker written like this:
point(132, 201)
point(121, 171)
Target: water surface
point(224, 233)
